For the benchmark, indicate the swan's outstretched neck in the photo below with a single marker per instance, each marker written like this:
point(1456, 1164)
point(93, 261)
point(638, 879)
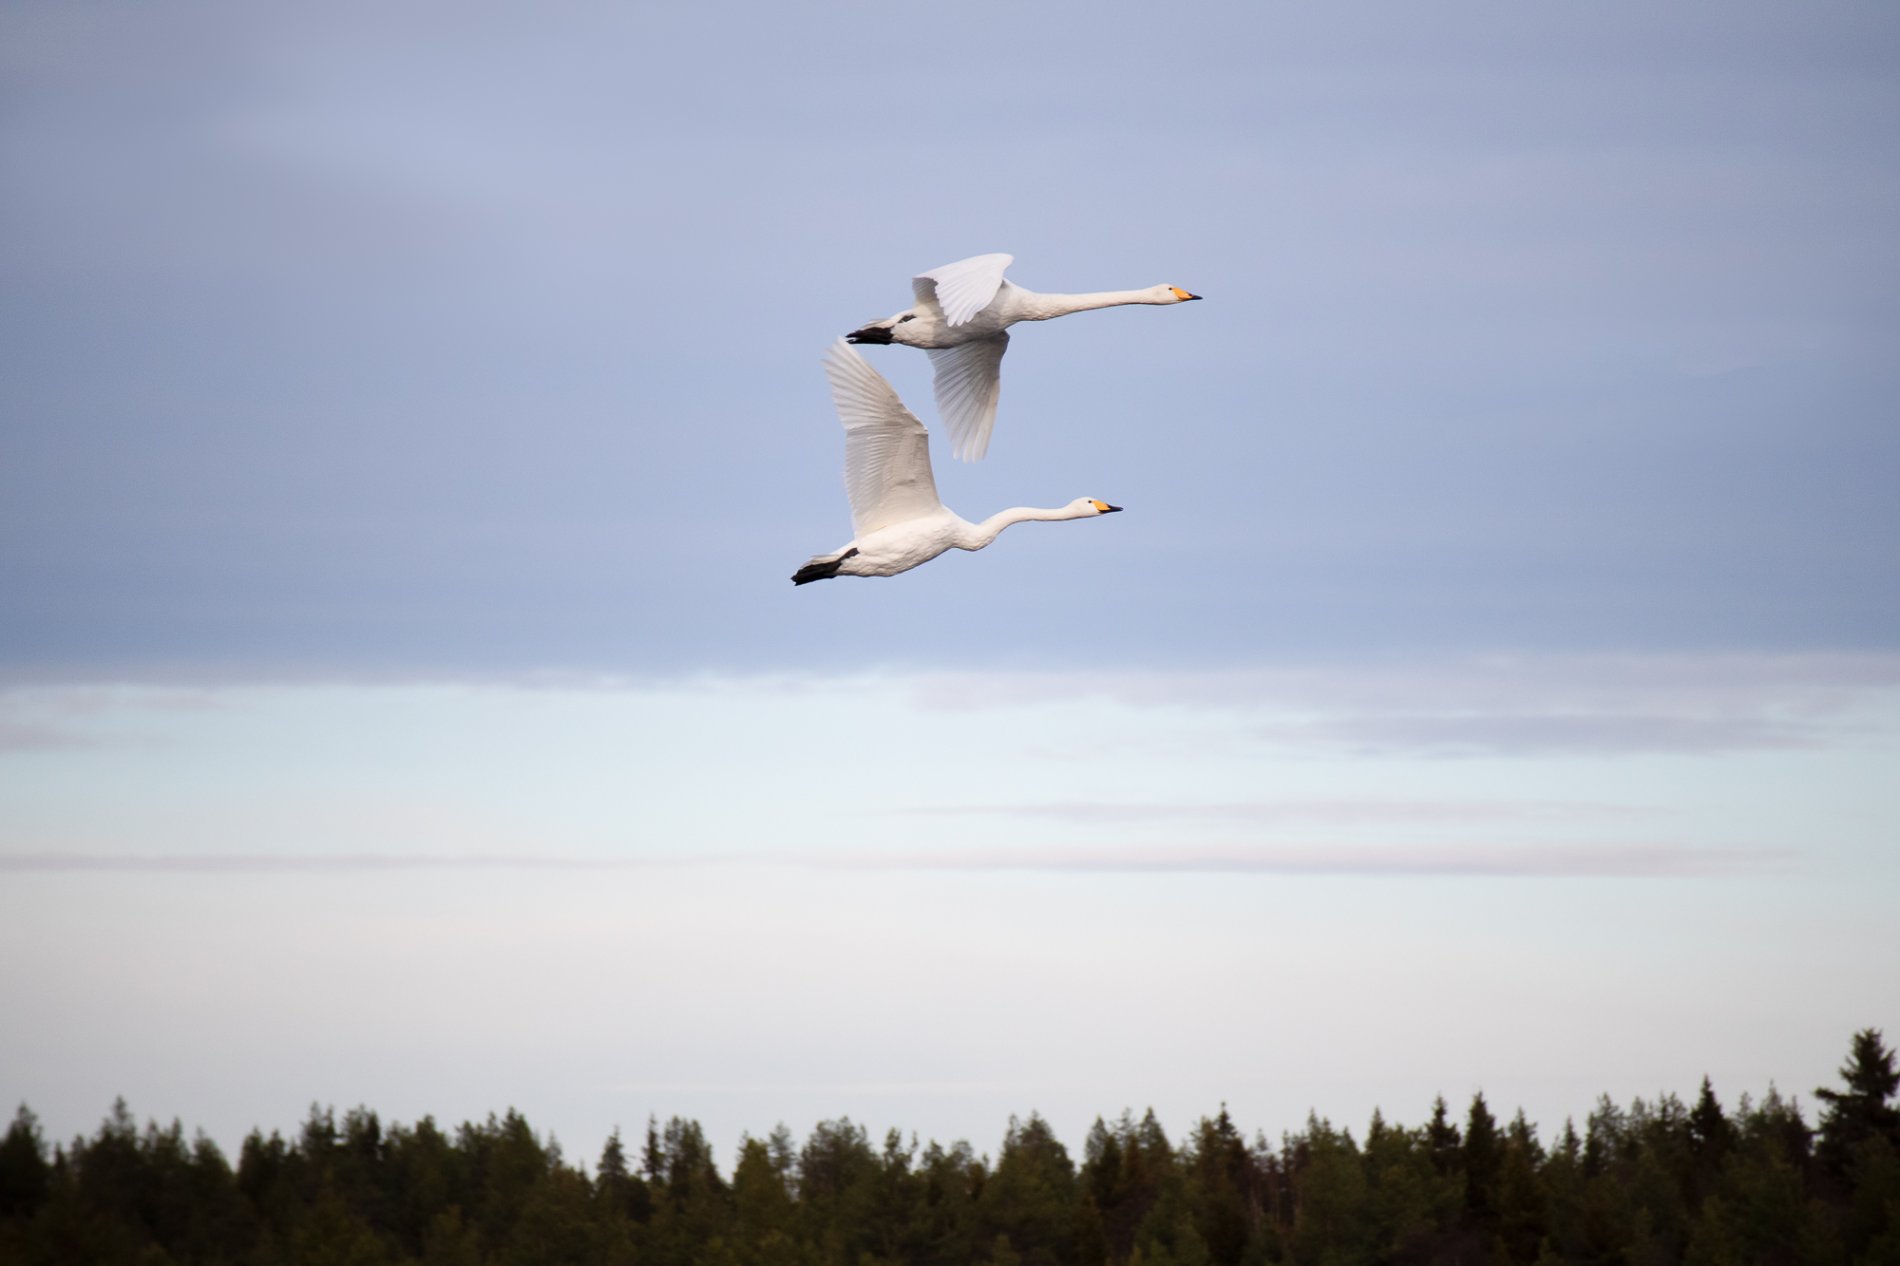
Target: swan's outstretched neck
point(1041, 307)
point(978, 535)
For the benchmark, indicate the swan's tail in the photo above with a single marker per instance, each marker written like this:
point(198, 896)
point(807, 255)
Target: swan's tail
point(877, 332)
point(824, 567)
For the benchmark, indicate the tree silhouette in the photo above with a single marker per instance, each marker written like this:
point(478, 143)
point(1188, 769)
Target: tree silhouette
point(1648, 1182)
point(1862, 1111)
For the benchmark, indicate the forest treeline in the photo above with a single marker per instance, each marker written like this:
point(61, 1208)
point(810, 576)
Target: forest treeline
point(1658, 1181)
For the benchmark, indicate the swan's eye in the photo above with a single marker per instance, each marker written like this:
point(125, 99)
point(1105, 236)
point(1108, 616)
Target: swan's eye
point(908, 316)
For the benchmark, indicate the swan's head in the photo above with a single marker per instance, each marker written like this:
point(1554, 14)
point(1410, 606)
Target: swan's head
point(1170, 294)
point(1089, 507)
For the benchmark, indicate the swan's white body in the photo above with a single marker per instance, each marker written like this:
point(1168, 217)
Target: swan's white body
point(895, 511)
point(963, 313)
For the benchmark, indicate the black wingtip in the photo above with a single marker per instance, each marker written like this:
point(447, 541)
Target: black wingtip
point(821, 569)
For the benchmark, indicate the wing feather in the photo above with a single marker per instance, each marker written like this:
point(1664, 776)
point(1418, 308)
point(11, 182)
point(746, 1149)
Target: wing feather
point(886, 449)
point(964, 288)
point(968, 382)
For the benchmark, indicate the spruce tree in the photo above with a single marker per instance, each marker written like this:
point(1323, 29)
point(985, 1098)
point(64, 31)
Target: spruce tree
point(1441, 1138)
point(623, 1193)
point(764, 1218)
point(1030, 1198)
point(1221, 1188)
point(1862, 1111)
point(24, 1172)
point(1484, 1159)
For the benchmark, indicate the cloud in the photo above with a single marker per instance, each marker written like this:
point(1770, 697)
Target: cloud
point(1492, 705)
point(1688, 679)
point(1271, 811)
point(18, 736)
point(1531, 734)
point(1611, 861)
point(272, 863)
point(51, 718)
point(867, 1088)
point(1520, 705)
point(1594, 861)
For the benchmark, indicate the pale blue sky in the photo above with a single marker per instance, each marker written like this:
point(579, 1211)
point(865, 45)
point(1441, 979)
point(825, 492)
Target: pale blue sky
point(411, 421)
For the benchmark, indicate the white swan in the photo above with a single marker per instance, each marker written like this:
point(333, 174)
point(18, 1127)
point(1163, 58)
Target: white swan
point(894, 507)
point(962, 313)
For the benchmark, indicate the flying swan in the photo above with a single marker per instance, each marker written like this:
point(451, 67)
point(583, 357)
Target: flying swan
point(961, 318)
point(895, 512)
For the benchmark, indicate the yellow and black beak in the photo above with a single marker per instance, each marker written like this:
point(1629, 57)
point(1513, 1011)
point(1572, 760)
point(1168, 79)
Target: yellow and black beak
point(1181, 294)
point(1102, 507)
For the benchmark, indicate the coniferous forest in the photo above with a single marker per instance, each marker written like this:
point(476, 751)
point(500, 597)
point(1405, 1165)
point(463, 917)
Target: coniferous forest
point(1656, 1181)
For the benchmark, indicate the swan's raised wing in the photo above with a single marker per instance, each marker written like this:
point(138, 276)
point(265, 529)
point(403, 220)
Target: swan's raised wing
point(968, 383)
point(886, 449)
point(964, 288)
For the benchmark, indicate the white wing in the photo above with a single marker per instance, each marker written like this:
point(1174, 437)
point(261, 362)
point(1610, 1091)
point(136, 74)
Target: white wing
point(886, 449)
point(968, 383)
point(964, 288)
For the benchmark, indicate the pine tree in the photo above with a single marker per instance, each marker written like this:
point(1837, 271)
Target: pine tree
point(1441, 1138)
point(1404, 1190)
point(514, 1161)
point(1759, 1210)
point(1101, 1164)
point(554, 1225)
point(622, 1192)
point(1330, 1219)
point(1861, 1111)
point(1221, 1188)
point(1030, 1199)
point(448, 1241)
point(943, 1228)
point(1711, 1138)
point(1091, 1233)
point(653, 1154)
point(1124, 1170)
point(764, 1220)
point(1523, 1201)
point(1871, 1226)
point(837, 1189)
point(1564, 1189)
point(422, 1177)
point(692, 1206)
point(1483, 1161)
point(25, 1174)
